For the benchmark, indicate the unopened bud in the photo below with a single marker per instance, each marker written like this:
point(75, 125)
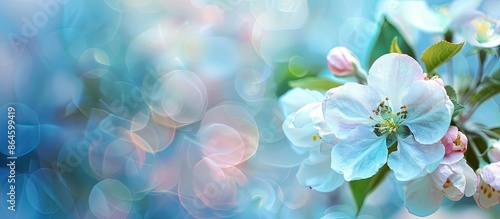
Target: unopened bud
point(341, 61)
point(454, 141)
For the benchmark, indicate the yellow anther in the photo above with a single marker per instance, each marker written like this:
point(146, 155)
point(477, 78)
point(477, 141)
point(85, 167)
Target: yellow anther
point(316, 137)
point(484, 31)
point(457, 141)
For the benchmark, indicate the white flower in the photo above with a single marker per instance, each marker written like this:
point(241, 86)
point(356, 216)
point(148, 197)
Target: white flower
point(453, 178)
point(439, 19)
point(396, 105)
point(488, 194)
point(305, 128)
point(482, 32)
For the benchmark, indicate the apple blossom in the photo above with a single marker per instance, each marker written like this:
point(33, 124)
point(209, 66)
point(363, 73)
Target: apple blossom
point(483, 32)
point(454, 141)
point(305, 129)
point(488, 193)
point(452, 178)
point(397, 105)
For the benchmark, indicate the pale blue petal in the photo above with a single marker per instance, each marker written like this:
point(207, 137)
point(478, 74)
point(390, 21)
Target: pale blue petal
point(392, 74)
point(297, 98)
point(421, 197)
point(315, 172)
point(423, 17)
point(459, 8)
point(413, 159)
point(491, 175)
point(467, 16)
point(298, 127)
point(429, 113)
point(349, 107)
point(471, 180)
point(323, 130)
point(360, 155)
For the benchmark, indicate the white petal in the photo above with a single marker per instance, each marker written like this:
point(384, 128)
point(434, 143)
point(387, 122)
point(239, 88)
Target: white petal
point(469, 33)
point(360, 155)
point(483, 199)
point(429, 113)
point(315, 172)
point(297, 98)
point(392, 74)
point(467, 16)
point(298, 127)
point(452, 158)
point(350, 107)
point(421, 197)
point(454, 168)
point(323, 130)
point(413, 159)
point(456, 191)
point(471, 180)
point(491, 175)
point(460, 7)
point(423, 17)
point(440, 175)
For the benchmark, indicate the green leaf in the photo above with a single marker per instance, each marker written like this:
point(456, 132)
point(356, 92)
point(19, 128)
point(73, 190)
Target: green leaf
point(394, 46)
point(452, 94)
point(489, 87)
point(362, 188)
point(439, 53)
point(457, 108)
point(383, 42)
point(314, 83)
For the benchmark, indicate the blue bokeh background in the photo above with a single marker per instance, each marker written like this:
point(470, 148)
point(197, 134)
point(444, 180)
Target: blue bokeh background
point(169, 109)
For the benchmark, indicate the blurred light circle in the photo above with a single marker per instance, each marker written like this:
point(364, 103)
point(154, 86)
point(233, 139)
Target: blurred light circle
point(287, 14)
point(180, 95)
point(25, 129)
point(239, 119)
point(153, 138)
point(116, 159)
point(165, 172)
point(217, 187)
point(297, 66)
point(48, 193)
point(217, 57)
point(356, 34)
point(110, 198)
point(221, 144)
point(250, 85)
point(93, 63)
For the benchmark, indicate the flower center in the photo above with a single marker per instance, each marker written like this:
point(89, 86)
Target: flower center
point(388, 120)
point(443, 10)
point(484, 28)
point(488, 191)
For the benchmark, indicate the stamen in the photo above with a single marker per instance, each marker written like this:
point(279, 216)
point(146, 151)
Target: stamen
point(457, 141)
point(316, 137)
point(388, 120)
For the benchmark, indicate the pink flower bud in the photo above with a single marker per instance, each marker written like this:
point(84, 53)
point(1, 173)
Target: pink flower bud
point(494, 152)
point(341, 61)
point(454, 141)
